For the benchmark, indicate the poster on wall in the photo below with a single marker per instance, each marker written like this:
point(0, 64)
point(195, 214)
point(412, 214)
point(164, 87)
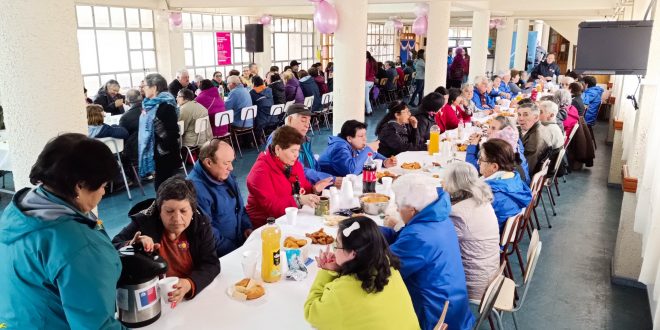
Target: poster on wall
point(223, 40)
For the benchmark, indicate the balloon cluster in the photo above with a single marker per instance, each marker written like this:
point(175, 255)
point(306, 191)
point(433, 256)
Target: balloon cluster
point(175, 19)
point(395, 22)
point(325, 17)
point(421, 23)
point(496, 23)
point(265, 20)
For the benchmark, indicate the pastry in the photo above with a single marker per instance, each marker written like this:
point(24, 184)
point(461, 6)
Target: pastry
point(248, 289)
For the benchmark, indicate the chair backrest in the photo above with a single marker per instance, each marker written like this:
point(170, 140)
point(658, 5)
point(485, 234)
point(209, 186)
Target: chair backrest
point(533, 253)
point(277, 109)
point(286, 105)
point(248, 112)
point(309, 101)
point(115, 145)
point(545, 166)
point(326, 98)
point(510, 228)
point(224, 118)
point(201, 124)
point(570, 137)
point(441, 321)
point(558, 161)
point(490, 296)
point(181, 127)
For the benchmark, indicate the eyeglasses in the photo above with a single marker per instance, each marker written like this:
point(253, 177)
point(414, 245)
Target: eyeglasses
point(336, 247)
point(481, 160)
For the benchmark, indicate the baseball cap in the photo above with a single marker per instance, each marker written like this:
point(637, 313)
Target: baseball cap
point(294, 63)
point(298, 108)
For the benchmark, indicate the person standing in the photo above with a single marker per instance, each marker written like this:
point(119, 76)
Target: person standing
point(457, 69)
point(420, 67)
point(372, 67)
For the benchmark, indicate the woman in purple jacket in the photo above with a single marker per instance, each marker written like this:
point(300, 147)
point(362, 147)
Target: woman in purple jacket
point(292, 90)
point(211, 100)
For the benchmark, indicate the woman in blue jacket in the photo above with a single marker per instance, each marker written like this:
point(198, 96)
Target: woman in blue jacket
point(430, 254)
point(511, 194)
point(97, 129)
point(592, 98)
point(310, 88)
point(60, 270)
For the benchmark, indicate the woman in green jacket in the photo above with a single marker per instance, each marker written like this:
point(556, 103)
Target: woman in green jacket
point(359, 285)
point(59, 268)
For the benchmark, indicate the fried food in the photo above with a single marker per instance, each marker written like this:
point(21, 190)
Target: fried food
point(380, 175)
point(294, 243)
point(435, 176)
point(411, 166)
point(461, 147)
point(320, 237)
point(248, 289)
point(375, 199)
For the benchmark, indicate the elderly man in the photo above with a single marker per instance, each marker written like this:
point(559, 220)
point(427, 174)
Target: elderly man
point(189, 112)
point(298, 116)
point(238, 98)
point(130, 121)
point(254, 69)
point(546, 70)
point(218, 196)
point(480, 96)
point(535, 137)
point(182, 81)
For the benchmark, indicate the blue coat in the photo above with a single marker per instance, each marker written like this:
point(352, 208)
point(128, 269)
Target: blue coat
point(472, 157)
point(592, 97)
point(310, 88)
point(490, 101)
point(339, 158)
point(59, 269)
point(431, 265)
point(223, 204)
point(306, 157)
point(239, 98)
point(510, 196)
point(263, 101)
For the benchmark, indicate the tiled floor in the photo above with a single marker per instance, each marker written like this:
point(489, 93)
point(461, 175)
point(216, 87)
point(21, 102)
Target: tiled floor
point(571, 288)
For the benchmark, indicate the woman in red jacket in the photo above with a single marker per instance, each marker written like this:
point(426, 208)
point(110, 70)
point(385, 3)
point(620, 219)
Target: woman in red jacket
point(277, 179)
point(451, 114)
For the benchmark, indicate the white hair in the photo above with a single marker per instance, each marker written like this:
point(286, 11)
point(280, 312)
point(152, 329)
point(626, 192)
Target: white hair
point(414, 190)
point(462, 182)
point(181, 72)
point(563, 97)
point(567, 80)
point(234, 80)
point(549, 107)
point(481, 79)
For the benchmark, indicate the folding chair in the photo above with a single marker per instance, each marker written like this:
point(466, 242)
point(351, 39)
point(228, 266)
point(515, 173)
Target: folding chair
point(181, 129)
point(116, 147)
point(247, 113)
point(201, 127)
point(287, 104)
point(225, 118)
point(326, 103)
point(551, 178)
point(490, 296)
point(441, 325)
point(275, 112)
point(508, 238)
point(542, 174)
point(382, 85)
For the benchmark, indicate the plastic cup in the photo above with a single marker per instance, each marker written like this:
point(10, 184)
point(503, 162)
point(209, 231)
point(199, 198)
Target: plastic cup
point(387, 184)
point(249, 263)
point(291, 215)
point(165, 286)
point(379, 164)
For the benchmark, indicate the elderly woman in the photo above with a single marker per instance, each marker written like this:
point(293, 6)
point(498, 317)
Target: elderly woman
point(212, 101)
point(548, 117)
point(189, 112)
point(158, 138)
point(511, 193)
point(97, 129)
point(430, 253)
point(467, 92)
point(397, 131)
point(277, 179)
point(109, 98)
point(292, 89)
point(576, 97)
point(60, 269)
point(173, 225)
point(563, 97)
point(476, 225)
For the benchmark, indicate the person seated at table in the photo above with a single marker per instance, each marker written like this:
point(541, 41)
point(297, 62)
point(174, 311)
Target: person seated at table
point(109, 99)
point(510, 193)
point(397, 131)
point(592, 99)
point(347, 152)
point(298, 116)
point(546, 70)
point(212, 101)
point(563, 97)
point(310, 88)
point(292, 89)
point(174, 226)
point(535, 137)
point(511, 80)
point(482, 100)
point(430, 254)
point(238, 98)
point(60, 270)
point(359, 286)
point(576, 97)
point(96, 129)
point(219, 196)
point(452, 114)
point(426, 112)
point(467, 93)
point(130, 121)
point(277, 86)
point(476, 225)
point(277, 179)
point(499, 90)
point(262, 97)
point(319, 79)
point(189, 112)
point(548, 118)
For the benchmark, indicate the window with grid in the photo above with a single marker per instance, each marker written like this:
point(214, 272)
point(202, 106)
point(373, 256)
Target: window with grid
point(327, 49)
point(460, 36)
point(115, 43)
point(380, 42)
point(292, 39)
point(199, 43)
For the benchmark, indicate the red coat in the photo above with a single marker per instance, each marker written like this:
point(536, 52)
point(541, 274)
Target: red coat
point(570, 121)
point(402, 75)
point(448, 118)
point(269, 190)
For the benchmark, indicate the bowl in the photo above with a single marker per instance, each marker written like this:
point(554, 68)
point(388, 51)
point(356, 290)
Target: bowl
point(373, 203)
point(302, 251)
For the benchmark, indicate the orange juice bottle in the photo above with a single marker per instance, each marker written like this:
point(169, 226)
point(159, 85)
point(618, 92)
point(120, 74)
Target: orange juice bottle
point(434, 140)
point(271, 269)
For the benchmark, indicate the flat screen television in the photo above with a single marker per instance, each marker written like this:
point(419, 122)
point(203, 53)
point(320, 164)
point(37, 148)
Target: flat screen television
point(619, 47)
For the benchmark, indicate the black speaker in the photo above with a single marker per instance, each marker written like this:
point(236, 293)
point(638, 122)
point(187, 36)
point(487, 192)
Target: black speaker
point(254, 38)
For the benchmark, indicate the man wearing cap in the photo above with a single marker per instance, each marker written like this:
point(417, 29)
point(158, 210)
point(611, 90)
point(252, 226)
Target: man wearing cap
point(295, 66)
point(298, 116)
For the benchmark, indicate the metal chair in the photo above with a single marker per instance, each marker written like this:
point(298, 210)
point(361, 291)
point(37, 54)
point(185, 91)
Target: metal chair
point(326, 103)
point(508, 238)
point(247, 113)
point(224, 118)
point(490, 296)
point(275, 112)
point(116, 147)
point(201, 127)
point(441, 325)
point(181, 129)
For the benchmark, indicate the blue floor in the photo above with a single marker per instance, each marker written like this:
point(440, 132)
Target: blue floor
point(571, 288)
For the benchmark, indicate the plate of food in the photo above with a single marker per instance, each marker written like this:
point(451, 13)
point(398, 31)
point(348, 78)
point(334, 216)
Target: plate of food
point(333, 219)
point(246, 289)
point(320, 237)
point(411, 166)
point(386, 173)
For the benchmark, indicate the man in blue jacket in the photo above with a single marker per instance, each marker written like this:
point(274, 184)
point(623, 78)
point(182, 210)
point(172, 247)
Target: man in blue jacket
point(347, 152)
point(482, 100)
point(430, 255)
point(218, 196)
point(592, 99)
point(238, 98)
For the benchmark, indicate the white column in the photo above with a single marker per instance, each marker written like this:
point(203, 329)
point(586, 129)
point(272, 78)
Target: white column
point(480, 27)
point(503, 46)
point(545, 38)
point(520, 58)
point(170, 56)
point(538, 28)
point(350, 46)
point(39, 41)
point(436, 45)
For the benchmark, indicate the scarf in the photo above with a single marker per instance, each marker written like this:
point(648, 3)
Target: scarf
point(146, 163)
point(287, 169)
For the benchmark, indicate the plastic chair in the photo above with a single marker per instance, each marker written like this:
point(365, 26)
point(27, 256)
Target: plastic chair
point(201, 126)
point(275, 112)
point(490, 296)
point(116, 147)
point(507, 238)
point(247, 113)
point(223, 119)
point(181, 129)
point(441, 325)
point(309, 101)
point(287, 104)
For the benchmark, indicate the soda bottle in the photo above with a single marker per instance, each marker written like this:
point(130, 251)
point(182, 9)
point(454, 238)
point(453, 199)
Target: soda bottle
point(369, 175)
point(271, 269)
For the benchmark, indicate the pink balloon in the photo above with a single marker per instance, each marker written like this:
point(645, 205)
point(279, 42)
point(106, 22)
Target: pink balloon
point(175, 19)
point(265, 19)
point(325, 17)
point(316, 0)
point(420, 25)
point(398, 25)
point(421, 9)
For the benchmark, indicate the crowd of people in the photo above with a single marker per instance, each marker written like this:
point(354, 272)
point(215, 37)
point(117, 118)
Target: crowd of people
point(445, 249)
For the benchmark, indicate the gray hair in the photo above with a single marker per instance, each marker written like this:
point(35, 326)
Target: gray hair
point(566, 80)
point(181, 72)
point(563, 97)
point(550, 107)
point(414, 190)
point(133, 96)
point(467, 87)
point(156, 80)
point(532, 107)
point(462, 182)
point(234, 80)
point(504, 122)
point(481, 79)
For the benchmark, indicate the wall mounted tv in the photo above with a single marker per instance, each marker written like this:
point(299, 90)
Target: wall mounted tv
point(620, 47)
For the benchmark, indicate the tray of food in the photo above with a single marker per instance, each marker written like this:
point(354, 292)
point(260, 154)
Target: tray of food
point(320, 237)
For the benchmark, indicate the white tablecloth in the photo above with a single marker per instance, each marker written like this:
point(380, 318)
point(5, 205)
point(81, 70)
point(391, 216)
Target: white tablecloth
point(112, 120)
point(282, 307)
